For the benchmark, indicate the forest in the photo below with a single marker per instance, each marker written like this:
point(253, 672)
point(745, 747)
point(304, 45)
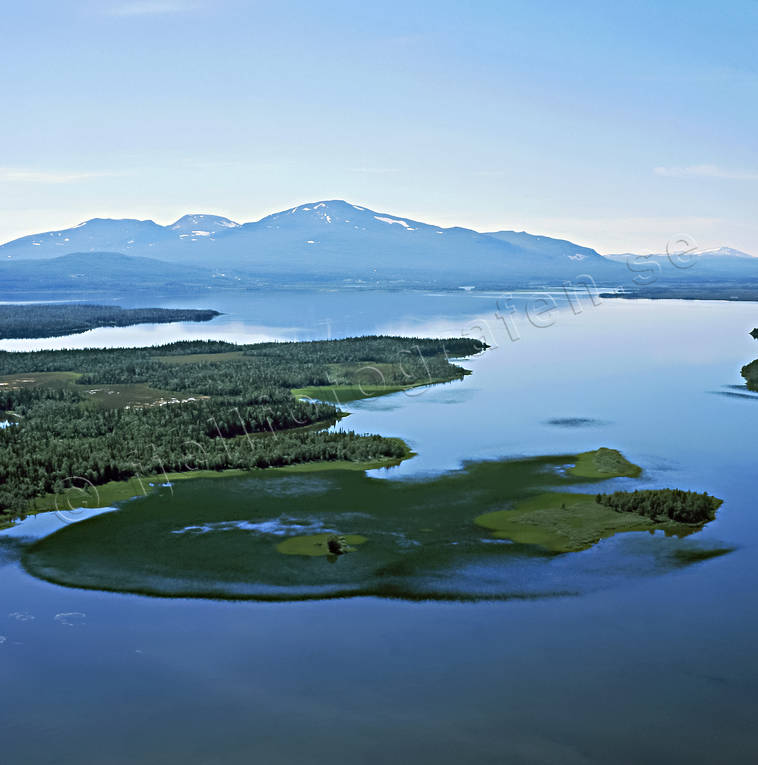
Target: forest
point(102, 415)
point(662, 504)
point(54, 320)
point(750, 371)
point(750, 374)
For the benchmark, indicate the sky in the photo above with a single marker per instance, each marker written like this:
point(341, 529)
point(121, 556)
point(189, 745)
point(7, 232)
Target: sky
point(621, 126)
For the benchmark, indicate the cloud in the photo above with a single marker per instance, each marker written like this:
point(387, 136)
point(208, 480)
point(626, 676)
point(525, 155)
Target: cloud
point(150, 8)
point(705, 171)
point(15, 175)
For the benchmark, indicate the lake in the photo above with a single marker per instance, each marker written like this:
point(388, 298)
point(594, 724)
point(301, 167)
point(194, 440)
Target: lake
point(638, 662)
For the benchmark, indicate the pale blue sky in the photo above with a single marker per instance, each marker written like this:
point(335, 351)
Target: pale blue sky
point(618, 125)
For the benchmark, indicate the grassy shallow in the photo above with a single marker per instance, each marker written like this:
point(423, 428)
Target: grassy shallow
point(262, 534)
point(567, 522)
point(604, 463)
point(111, 493)
point(315, 545)
point(342, 394)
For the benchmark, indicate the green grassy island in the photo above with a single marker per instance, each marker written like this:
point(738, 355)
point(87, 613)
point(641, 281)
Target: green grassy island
point(604, 463)
point(568, 521)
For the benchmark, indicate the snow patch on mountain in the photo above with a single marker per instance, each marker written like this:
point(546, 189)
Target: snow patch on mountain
point(403, 223)
point(196, 224)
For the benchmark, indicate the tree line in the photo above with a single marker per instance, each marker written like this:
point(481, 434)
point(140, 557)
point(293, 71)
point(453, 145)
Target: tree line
point(664, 504)
point(46, 320)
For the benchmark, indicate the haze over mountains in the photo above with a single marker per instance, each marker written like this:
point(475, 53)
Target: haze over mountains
point(81, 272)
point(322, 242)
point(723, 263)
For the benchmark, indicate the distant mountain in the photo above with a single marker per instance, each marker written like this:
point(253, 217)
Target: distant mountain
point(728, 252)
point(339, 240)
point(333, 241)
point(128, 236)
point(545, 245)
point(96, 235)
point(721, 264)
point(202, 225)
point(104, 272)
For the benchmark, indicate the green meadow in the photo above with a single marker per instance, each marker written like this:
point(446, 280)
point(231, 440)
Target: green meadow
point(352, 382)
point(103, 396)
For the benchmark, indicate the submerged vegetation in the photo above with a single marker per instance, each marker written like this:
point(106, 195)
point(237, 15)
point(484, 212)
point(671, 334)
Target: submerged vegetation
point(86, 418)
point(53, 320)
point(277, 535)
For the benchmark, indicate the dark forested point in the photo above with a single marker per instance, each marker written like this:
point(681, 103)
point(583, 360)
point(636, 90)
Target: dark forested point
point(745, 290)
point(750, 373)
point(662, 504)
point(44, 320)
point(90, 417)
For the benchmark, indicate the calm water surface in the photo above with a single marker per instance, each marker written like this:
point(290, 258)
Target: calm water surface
point(644, 665)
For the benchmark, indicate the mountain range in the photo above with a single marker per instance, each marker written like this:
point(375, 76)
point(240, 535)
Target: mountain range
point(321, 242)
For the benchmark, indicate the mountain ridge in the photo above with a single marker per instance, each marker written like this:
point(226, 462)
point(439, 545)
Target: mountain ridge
point(326, 240)
point(338, 241)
